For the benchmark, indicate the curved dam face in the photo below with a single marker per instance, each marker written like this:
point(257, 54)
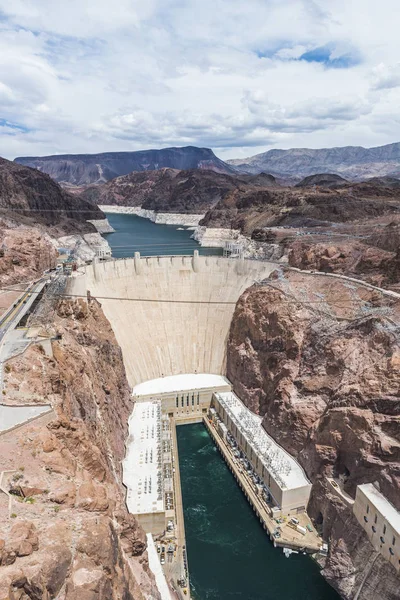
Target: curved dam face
point(171, 314)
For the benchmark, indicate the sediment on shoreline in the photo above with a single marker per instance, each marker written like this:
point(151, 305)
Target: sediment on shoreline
point(187, 220)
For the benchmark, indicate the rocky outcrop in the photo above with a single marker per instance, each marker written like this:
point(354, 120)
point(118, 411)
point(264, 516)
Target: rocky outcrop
point(25, 252)
point(328, 180)
point(30, 197)
point(320, 361)
point(373, 264)
point(83, 169)
point(303, 209)
point(84, 544)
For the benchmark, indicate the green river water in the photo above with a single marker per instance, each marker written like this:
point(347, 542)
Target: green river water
point(230, 556)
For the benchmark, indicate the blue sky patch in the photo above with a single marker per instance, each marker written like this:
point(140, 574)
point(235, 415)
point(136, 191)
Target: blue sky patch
point(323, 55)
point(16, 126)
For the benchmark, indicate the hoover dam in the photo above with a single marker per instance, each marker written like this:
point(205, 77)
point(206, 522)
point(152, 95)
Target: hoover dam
point(171, 314)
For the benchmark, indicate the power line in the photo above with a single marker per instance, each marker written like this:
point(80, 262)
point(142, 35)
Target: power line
point(52, 210)
point(171, 301)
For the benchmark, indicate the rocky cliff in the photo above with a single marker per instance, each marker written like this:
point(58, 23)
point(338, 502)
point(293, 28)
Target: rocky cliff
point(84, 169)
point(320, 361)
point(368, 262)
point(29, 197)
point(68, 534)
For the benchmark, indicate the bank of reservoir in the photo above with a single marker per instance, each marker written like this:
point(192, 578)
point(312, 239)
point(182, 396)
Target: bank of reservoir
point(230, 556)
point(135, 234)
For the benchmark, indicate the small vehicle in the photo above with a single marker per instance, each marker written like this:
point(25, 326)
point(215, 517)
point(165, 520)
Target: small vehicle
point(162, 559)
point(294, 520)
point(301, 530)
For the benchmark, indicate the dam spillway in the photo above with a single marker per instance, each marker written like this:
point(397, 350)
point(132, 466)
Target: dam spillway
point(171, 314)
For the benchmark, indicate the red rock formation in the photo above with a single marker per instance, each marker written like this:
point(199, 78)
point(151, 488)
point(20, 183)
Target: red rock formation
point(370, 263)
point(24, 254)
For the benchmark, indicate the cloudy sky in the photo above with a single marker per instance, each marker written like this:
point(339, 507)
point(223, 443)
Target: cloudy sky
point(239, 76)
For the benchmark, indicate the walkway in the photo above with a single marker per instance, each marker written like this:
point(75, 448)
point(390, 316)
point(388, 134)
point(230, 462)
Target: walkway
point(14, 416)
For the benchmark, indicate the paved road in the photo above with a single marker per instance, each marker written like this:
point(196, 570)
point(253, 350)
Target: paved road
point(15, 313)
point(345, 277)
point(11, 318)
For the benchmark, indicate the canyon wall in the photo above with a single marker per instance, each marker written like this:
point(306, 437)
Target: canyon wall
point(319, 359)
point(67, 533)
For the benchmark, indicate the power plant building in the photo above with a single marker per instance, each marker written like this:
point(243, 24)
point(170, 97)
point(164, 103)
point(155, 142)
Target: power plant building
point(143, 468)
point(285, 479)
point(185, 397)
point(148, 464)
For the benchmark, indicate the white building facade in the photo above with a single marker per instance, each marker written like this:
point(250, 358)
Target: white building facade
point(186, 397)
point(380, 520)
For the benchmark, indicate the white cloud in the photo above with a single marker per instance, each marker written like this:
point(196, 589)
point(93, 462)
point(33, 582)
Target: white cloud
point(386, 77)
point(88, 76)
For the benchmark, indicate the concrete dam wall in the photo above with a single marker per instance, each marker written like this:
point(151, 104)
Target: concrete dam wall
point(159, 337)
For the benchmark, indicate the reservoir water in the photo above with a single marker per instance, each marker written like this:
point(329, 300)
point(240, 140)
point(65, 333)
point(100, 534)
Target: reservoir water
point(135, 234)
point(230, 556)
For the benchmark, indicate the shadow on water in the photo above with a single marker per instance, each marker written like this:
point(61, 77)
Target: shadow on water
point(230, 556)
point(135, 234)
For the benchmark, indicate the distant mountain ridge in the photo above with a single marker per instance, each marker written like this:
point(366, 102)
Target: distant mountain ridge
point(351, 162)
point(84, 169)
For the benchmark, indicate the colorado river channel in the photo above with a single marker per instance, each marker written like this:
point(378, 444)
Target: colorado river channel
point(229, 554)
